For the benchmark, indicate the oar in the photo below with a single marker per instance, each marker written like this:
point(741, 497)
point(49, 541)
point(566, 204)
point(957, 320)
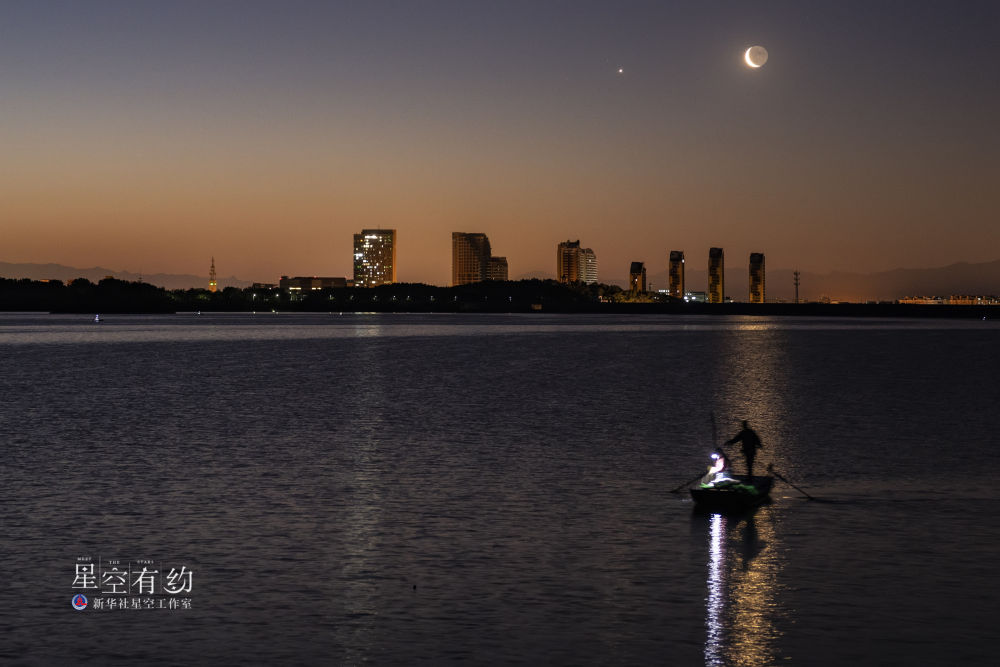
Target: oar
point(699, 475)
point(678, 489)
point(770, 469)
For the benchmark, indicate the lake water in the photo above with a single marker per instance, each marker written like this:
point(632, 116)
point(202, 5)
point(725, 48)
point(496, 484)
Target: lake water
point(402, 489)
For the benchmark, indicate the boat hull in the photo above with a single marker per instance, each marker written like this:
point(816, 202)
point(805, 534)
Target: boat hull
point(736, 497)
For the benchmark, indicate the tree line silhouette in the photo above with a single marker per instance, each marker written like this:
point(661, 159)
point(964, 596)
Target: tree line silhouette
point(111, 295)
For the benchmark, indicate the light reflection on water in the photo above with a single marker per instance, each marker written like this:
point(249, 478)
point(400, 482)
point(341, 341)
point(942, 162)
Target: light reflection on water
point(752, 377)
point(715, 602)
point(742, 606)
point(365, 503)
point(38, 328)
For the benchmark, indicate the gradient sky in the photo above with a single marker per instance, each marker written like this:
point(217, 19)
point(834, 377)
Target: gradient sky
point(150, 136)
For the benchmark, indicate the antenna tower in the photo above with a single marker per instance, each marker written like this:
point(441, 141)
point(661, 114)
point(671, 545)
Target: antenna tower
point(213, 285)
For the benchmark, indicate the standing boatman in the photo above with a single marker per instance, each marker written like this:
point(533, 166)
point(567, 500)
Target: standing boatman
point(751, 443)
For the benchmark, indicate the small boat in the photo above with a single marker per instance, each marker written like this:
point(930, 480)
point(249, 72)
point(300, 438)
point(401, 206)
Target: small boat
point(734, 494)
point(97, 318)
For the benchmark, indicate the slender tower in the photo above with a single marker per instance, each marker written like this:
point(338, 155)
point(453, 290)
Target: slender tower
point(757, 293)
point(716, 276)
point(213, 284)
point(675, 279)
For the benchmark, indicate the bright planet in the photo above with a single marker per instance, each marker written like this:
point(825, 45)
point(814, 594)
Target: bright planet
point(755, 56)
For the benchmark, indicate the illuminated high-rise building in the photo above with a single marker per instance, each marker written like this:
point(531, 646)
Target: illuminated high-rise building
point(213, 284)
point(716, 276)
point(588, 266)
point(470, 258)
point(756, 277)
point(575, 264)
point(675, 277)
point(375, 257)
point(637, 278)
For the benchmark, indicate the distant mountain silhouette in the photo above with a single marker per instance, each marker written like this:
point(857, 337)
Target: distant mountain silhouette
point(960, 278)
point(67, 273)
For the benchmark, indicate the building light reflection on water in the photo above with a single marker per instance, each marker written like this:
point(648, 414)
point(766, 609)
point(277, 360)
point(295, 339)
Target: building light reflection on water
point(742, 592)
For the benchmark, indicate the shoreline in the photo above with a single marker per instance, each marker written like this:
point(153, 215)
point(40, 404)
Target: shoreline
point(861, 310)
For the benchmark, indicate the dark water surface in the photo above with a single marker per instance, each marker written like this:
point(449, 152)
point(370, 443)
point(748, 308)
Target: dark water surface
point(430, 488)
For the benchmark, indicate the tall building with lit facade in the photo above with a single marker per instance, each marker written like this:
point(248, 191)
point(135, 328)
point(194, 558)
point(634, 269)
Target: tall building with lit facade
point(637, 278)
point(675, 276)
point(756, 277)
point(470, 258)
point(375, 257)
point(716, 276)
point(588, 266)
point(575, 264)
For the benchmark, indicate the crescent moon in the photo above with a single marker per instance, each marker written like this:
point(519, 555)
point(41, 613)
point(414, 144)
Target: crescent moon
point(755, 56)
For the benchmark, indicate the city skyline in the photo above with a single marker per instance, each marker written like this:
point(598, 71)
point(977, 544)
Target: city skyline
point(375, 260)
point(146, 136)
